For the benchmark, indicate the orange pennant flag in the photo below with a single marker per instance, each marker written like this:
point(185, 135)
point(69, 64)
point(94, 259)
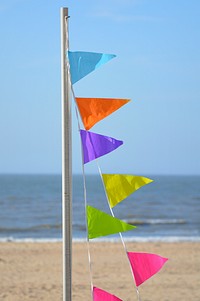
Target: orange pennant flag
point(92, 110)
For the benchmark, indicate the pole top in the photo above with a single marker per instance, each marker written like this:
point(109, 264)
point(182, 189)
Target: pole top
point(64, 10)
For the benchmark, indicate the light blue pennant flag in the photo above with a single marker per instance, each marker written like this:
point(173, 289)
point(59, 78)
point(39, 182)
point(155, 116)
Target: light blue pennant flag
point(82, 63)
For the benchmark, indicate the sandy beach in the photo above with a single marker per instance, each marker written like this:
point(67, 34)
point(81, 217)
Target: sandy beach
point(33, 271)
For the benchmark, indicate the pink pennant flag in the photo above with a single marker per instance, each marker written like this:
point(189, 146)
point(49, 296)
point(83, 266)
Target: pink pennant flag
point(145, 265)
point(96, 145)
point(101, 295)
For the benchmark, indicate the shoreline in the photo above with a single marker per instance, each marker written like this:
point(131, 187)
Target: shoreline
point(33, 271)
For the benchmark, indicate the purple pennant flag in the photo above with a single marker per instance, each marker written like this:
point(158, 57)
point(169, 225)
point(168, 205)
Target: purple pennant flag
point(95, 145)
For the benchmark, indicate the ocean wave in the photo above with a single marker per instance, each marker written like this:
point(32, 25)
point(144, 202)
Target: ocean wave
point(82, 227)
point(155, 221)
point(29, 229)
point(165, 239)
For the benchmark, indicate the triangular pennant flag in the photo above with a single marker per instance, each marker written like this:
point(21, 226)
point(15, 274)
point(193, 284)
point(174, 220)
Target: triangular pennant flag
point(92, 110)
point(145, 265)
point(118, 186)
point(96, 145)
point(102, 224)
point(101, 295)
point(82, 63)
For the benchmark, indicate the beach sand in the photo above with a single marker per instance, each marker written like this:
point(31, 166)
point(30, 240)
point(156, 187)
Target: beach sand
point(33, 271)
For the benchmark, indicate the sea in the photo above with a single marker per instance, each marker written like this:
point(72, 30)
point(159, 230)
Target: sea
point(167, 209)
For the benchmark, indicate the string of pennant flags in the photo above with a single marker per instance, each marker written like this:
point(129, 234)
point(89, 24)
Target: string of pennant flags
point(117, 186)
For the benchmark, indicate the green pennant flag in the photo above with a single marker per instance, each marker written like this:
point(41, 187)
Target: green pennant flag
point(102, 224)
point(118, 187)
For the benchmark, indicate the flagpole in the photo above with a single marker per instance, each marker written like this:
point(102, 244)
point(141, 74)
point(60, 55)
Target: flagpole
point(66, 162)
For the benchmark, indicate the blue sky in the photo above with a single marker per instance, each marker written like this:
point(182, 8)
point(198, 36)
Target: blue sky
point(157, 66)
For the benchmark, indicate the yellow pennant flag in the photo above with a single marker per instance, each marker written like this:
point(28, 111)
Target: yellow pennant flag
point(92, 110)
point(118, 187)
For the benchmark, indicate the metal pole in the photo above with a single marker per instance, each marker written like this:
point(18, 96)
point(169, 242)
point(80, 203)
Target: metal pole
point(66, 162)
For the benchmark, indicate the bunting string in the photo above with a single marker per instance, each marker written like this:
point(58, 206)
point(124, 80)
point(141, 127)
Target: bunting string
point(116, 187)
point(137, 291)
